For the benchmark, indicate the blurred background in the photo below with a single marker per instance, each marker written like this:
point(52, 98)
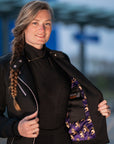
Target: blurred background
point(82, 29)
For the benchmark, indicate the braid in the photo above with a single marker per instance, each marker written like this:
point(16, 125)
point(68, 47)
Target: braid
point(13, 87)
point(18, 45)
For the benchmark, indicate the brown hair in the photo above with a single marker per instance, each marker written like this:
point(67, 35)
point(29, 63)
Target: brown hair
point(26, 15)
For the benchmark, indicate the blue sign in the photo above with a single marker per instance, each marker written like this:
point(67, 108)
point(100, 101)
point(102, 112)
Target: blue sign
point(52, 41)
point(82, 37)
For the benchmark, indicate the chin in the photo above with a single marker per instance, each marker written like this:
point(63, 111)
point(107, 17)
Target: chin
point(41, 42)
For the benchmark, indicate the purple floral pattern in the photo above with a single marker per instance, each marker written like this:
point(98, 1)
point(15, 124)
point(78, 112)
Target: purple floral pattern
point(82, 129)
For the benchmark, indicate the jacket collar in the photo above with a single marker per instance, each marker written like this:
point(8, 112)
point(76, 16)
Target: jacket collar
point(26, 75)
point(62, 60)
point(18, 62)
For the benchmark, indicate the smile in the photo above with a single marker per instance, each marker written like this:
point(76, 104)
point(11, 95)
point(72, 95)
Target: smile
point(40, 36)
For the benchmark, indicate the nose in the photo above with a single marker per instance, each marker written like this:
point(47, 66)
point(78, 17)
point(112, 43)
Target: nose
point(41, 28)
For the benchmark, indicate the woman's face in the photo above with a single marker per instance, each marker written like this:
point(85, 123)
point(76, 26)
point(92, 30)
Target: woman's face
point(38, 31)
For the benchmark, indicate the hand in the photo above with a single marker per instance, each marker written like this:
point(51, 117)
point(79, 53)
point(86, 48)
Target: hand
point(28, 126)
point(104, 109)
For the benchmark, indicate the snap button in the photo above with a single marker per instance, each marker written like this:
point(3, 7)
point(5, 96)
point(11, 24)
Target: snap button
point(20, 61)
point(14, 66)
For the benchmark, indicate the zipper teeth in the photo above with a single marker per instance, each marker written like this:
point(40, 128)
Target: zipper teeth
point(25, 94)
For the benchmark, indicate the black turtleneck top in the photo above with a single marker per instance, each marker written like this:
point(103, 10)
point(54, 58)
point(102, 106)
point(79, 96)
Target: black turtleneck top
point(52, 85)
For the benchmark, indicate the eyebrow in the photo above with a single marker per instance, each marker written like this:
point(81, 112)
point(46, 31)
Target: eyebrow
point(45, 20)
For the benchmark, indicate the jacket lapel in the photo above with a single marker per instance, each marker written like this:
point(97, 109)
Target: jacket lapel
point(26, 76)
point(65, 64)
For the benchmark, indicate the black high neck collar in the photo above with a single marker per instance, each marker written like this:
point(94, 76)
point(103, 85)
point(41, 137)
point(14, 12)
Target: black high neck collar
point(32, 52)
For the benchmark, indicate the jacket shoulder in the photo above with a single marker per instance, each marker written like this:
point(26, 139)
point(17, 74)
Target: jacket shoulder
point(59, 54)
point(5, 59)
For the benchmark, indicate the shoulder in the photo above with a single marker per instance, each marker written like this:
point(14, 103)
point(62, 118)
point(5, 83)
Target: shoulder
point(4, 60)
point(58, 55)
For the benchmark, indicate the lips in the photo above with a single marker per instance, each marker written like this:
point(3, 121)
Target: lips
point(40, 36)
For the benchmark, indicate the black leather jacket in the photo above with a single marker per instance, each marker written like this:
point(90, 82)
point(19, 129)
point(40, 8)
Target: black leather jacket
point(29, 104)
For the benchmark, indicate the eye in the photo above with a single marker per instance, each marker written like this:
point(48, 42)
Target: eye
point(48, 24)
point(34, 23)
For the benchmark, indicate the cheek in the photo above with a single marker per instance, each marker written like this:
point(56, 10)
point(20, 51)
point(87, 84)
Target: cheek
point(26, 33)
point(29, 30)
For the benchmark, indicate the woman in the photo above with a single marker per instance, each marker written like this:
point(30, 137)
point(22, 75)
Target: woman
point(47, 99)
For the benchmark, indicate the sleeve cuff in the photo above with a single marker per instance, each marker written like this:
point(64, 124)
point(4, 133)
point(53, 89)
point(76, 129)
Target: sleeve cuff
point(15, 128)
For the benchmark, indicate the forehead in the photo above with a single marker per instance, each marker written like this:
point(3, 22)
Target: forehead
point(43, 14)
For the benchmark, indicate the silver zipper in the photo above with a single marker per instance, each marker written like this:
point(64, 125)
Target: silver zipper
point(34, 140)
point(12, 140)
point(25, 94)
point(30, 91)
point(21, 89)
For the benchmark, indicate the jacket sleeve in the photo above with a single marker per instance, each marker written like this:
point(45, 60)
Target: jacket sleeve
point(8, 127)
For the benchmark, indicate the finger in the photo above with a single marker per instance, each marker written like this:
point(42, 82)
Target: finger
point(106, 114)
point(32, 131)
point(35, 130)
point(103, 107)
point(33, 122)
point(31, 116)
point(32, 135)
point(102, 103)
point(109, 113)
point(34, 126)
point(35, 134)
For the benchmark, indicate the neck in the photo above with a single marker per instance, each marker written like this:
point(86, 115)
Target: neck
point(33, 54)
point(35, 46)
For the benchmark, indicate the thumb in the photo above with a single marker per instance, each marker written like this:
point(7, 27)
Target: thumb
point(34, 115)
